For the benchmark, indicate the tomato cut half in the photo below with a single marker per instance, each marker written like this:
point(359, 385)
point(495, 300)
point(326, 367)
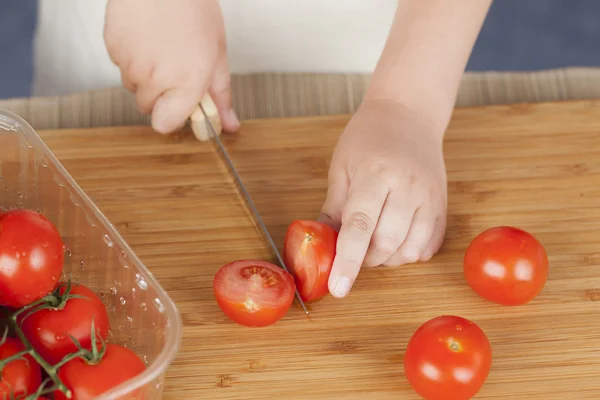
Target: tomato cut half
point(309, 250)
point(506, 265)
point(253, 293)
point(448, 358)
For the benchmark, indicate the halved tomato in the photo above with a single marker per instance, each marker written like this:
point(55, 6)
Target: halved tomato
point(309, 250)
point(253, 293)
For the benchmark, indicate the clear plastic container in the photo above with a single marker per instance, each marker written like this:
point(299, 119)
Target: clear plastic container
point(143, 317)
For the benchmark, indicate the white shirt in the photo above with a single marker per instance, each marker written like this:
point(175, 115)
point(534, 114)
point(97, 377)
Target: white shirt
point(262, 36)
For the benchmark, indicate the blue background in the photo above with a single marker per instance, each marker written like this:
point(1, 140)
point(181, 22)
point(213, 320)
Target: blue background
point(517, 35)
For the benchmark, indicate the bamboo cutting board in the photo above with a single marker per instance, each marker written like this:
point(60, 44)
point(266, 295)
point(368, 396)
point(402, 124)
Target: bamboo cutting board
point(533, 166)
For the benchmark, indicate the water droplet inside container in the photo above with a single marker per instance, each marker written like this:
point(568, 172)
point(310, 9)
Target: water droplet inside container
point(102, 293)
point(133, 292)
point(159, 305)
point(113, 290)
point(20, 195)
point(108, 241)
point(67, 250)
point(129, 319)
point(123, 254)
point(141, 282)
point(122, 301)
point(145, 359)
point(143, 306)
point(81, 264)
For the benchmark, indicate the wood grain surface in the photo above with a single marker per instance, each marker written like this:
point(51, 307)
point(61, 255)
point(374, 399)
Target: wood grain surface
point(532, 166)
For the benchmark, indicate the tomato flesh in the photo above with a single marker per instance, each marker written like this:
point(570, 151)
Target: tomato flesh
point(448, 358)
point(19, 377)
point(309, 250)
point(506, 265)
point(31, 257)
point(87, 381)
point(49, 330)
point(253, 293)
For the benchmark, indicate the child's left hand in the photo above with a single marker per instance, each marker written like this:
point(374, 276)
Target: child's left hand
point(387, 191)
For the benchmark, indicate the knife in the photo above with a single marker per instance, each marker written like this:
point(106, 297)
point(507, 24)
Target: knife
point(206, 125)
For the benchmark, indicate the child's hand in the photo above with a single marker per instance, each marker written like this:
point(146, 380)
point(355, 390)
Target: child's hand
point(170, 53)
point(387, 190)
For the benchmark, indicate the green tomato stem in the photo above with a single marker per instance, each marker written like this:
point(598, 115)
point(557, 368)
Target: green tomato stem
point(55, 301)
point(50, 370)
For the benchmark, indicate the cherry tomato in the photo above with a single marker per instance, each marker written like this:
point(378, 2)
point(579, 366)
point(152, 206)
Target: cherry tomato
point(31, 257)
point(89, 380)
point(309, 250)
point(253, 293)
point(22, 376)
point(506, 265)
point(448, 358)
point(49, 329)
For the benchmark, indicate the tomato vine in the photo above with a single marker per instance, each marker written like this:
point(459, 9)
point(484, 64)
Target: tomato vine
point(55, 301)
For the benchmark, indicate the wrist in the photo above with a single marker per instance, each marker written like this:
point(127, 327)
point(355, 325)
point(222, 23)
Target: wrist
point(426, 53)
point(433, 104)
point(423, 123)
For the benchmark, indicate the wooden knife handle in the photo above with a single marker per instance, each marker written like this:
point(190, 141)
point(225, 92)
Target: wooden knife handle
point(198, 121)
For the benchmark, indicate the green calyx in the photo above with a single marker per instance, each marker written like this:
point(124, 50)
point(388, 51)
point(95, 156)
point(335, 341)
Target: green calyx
point(53, 301)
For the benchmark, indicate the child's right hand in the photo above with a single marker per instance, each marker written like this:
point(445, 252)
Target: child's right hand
point(170, 54)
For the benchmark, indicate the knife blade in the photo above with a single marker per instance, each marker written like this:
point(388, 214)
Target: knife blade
point(201, 115)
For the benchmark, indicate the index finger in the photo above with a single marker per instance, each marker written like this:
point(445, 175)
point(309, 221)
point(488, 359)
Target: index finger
point(366, 198)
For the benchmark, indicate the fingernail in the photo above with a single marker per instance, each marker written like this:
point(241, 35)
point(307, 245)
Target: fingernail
point(342, 286)
point(322, 218)
point(327, 220)
point(233, 118)
point(411, 256)
point(160, 122)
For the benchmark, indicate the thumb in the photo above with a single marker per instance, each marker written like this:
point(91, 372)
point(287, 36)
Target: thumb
point(220, 91)
point(337, 194)
point(173, 108)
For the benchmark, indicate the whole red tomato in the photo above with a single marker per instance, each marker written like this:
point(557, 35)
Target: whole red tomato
point(88, 380)
point(31, 257)
point(253, 293)
point(506, 265)
point(309, 250)
point(22, 376)
point(49, 329)
point(448, 358)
